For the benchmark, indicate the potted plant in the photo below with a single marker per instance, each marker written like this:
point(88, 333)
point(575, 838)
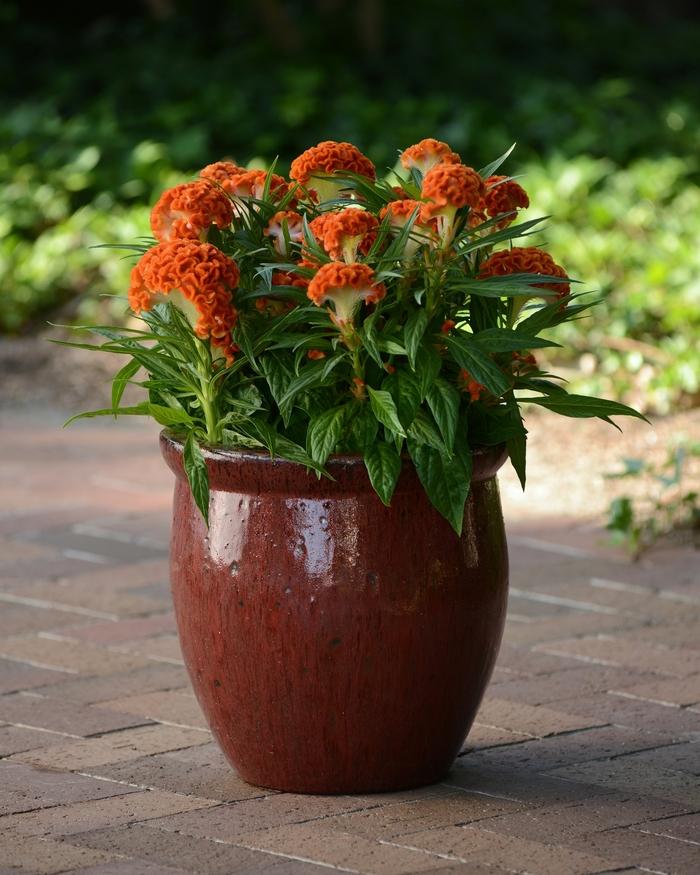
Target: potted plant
point(340, 363)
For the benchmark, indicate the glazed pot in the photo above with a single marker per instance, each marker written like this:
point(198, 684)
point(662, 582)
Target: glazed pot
point(336, 645)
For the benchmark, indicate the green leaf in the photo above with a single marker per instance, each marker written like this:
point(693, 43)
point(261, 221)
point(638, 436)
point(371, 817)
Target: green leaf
point(311, 376)
point(469, 356)
point(446, 481)
point(364, 426)
point(281, 446)
point(582, 406)
point(491, 168)
point(384, 409)
point(324, 433)
point(197, 475)
point(428, 365)
point(424, 431)
point(506, 340)
point(383, 465)
point(121, 379)
point(516, 451)
point(369, 338)
point(414, 330)
point(161, 414)
point(406, 391)
point(443, 401)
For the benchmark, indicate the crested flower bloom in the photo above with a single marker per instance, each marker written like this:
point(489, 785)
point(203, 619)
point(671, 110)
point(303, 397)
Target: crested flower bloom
point(315, 168)
point(315, 355)
point(504, 197)
point(285, 227)
point(400, 213)
point(427, 154)
point(187, 211)
point(251, 184)
point(527, 259)
point(346, 285)
point(342, 233)
point(448, 188)
point(223, 173)
point(204, 278)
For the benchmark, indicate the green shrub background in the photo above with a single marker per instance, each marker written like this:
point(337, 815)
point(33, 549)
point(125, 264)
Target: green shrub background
point(602, 99)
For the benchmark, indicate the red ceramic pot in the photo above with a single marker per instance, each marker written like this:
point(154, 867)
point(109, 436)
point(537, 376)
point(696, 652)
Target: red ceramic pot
point(336, 645)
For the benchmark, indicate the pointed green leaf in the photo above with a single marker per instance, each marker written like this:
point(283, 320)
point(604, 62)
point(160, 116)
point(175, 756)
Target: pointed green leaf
point(446, 481)
point(468, 355)
point(413, 333)
point(424, 431)
point(383, 465)
point(385, 410)
point(121, 379)
point(324, 433)
point(582, 406)
point(197, 475)
point(443, 401)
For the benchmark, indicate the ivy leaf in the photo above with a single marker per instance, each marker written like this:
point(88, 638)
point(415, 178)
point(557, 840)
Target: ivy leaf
point(443, 401)
point(385, 410)
point(446, 481)
point(383, 465)
point(197, 475)
point(471, 357)
point(413, 332)
point(324, 433)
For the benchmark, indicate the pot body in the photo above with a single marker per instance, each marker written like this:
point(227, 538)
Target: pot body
point(336, 645)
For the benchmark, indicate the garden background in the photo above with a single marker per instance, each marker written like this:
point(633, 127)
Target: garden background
point(115, 104)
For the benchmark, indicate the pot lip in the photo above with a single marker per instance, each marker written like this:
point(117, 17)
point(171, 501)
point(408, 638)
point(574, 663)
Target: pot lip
point(226, 454)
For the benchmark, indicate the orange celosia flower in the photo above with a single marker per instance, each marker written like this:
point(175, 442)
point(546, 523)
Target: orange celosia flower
point(315, 167)
point(205, 278)
point(526, 259)
point(223, 173)
point(187, 211)
point(284, 219)
point(524, 360)
point(447, 326)
point(468, 384)
point(400, 213)
point(426, 154)
point(451, 187)
point(342, 233)
point(504, 195)
point(251, 183)
point(315, 355)
point(346, 285)
point(284, 278)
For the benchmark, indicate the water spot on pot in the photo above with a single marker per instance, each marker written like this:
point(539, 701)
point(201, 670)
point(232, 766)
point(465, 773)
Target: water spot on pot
point(299, 550)
point(372, 579)
point(312, 599)
point(233, 568)
point(323, 521)
point(217, 683)
point(288, 591)
point(335, 642)
point(241, 602)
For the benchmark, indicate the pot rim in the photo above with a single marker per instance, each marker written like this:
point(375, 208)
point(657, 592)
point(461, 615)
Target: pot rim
point(230, 469)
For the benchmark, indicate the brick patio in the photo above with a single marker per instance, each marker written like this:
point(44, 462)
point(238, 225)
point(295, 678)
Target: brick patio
point(584, 757)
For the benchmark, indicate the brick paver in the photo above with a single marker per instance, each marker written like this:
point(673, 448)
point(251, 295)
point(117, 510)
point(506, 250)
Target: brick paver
point(585, 757)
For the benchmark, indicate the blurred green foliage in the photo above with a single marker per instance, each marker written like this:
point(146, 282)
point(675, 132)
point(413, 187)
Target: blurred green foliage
point(121, 102)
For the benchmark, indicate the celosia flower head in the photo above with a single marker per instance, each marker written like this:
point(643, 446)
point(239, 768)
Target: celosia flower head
point(315, 168)
point(342, 233)
point(346, 285)
point(448, 188)
point(187, 211)
point(400, 213)
point(224, 173)
point(205, 279)
point(504, 196)
point(251, 184)
point(468, 384)
point(526, 259)
point(426, 154)
point(285, 226)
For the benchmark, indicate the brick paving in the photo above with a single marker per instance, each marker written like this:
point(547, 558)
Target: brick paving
point(585, 757)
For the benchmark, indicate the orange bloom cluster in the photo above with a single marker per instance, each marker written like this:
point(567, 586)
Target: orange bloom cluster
point(283, 278)
point(202, 274)
point(187, 211)
point(426, 154)
point(284, 219)
point(468, 384)
point(222, 172)
point(251, 183)
point(504, 195)
point(401, 212)
point(526, 259)
point(345, 285)
point(450, 187)
point(327, 158)
point(342, 233)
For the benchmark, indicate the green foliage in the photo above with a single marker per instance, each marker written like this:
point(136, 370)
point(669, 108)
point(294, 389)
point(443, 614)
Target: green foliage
point(668, 501)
